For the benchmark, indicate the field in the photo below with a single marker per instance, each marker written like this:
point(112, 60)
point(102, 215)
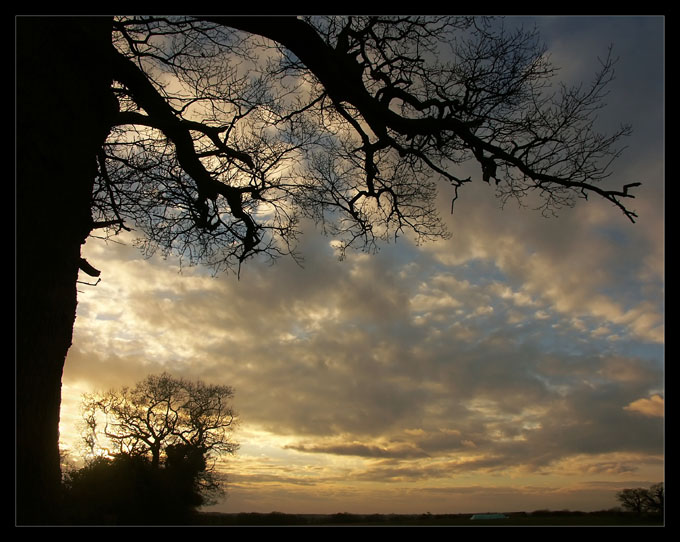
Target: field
point(539, 518)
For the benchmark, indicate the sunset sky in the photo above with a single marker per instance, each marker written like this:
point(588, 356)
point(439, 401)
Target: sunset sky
point(517, 365)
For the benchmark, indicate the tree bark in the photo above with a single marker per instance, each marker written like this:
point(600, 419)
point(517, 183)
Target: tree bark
point(64, 110)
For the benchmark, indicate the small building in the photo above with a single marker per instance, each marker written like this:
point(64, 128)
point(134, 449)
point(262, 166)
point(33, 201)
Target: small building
point(489, 516)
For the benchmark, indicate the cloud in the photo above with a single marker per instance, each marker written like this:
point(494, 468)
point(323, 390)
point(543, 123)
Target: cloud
point(368, 347)
point(399, 450)
point(652, 407)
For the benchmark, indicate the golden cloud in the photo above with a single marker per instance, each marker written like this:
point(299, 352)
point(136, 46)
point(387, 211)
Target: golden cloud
point(653, 407)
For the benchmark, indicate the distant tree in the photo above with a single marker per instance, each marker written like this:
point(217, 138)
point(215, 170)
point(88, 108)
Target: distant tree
point(633, 500)
point(639, 500)
point(214, 136)
point(655, 499)
point(179, 425)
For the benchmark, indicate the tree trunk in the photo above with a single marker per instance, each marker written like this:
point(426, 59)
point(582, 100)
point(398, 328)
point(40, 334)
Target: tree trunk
point(64, 111)
point(156, 455)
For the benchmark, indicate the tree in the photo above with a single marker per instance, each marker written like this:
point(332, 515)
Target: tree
point(654, 500)
point(639, 500)
point(152, 451)
point(633, 499)
point(170, 421)
point(129, 489)
point(214, 136)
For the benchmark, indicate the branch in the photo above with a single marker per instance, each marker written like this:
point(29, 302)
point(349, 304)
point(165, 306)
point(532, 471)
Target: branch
point(341, 75)
point(162, 117)
point(131, 117)
point(86, 267)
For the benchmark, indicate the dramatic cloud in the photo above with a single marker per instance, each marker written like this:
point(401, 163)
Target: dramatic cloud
point(518, 364)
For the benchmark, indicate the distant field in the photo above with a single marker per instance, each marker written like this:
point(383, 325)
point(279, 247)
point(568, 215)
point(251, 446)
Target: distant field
point(516, 519)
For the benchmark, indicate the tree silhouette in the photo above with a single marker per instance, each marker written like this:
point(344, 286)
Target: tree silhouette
point(161, 439)
point(215, 136)
point(161, 416)
point(639, 500)
point(655, 499)
point(633, 499)
point(128, 489)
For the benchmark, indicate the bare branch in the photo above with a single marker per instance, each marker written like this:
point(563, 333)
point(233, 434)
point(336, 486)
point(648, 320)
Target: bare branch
point(230, 128)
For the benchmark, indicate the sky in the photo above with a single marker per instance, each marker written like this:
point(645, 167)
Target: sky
point(518, 365)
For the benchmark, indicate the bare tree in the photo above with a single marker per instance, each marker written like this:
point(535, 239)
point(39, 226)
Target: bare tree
point(633, 499)
point(224, 140)
point(214, 136)
point(159, 413)
point(639, 500)
point(152, 449)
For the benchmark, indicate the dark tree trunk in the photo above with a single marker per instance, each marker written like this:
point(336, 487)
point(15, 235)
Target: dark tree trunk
point(64, 109)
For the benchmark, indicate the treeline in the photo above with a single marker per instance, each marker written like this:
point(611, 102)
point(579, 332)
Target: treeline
point(538, 517)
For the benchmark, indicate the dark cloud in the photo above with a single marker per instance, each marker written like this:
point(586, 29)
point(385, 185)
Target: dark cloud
point(362, 450)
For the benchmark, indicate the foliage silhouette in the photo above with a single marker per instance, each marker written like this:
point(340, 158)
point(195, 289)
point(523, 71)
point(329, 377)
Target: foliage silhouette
point(215, 136)
point(130, 490)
